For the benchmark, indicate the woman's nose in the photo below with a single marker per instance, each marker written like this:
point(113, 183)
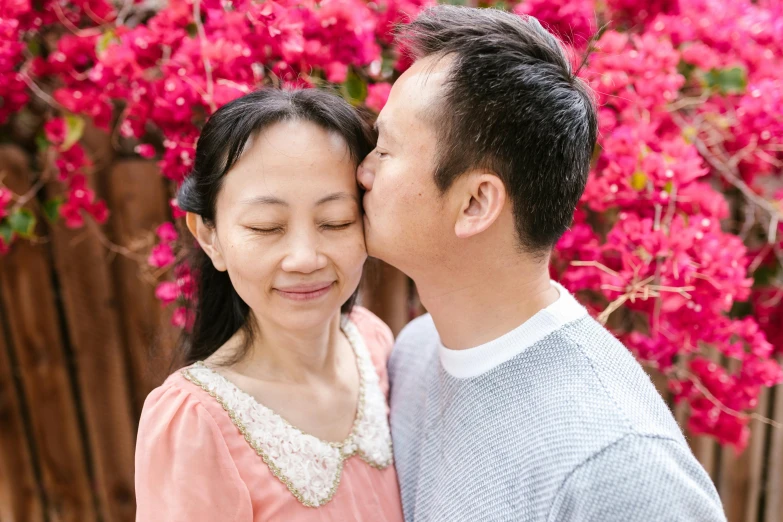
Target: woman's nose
point(365, 175)
point(303, 255)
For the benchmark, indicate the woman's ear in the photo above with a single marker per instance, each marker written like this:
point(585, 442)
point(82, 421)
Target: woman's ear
point(207, 238)
point(483, 199)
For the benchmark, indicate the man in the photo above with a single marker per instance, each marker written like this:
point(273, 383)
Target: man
point(508, 401)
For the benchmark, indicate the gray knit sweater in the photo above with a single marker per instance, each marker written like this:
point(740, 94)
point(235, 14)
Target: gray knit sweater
point(553, 421)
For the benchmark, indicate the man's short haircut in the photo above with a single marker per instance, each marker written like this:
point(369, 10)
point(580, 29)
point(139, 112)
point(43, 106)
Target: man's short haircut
point(512, 105)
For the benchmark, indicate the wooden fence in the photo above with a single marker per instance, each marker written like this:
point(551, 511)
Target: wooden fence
point(83, 340)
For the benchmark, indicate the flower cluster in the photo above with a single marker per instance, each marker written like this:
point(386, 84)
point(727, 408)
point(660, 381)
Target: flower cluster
point(690, 116)
point(162, 254)
point(653, 250)
point(71, 163)
point(13, 91)
point(574, 22)
point(736, 51)
point(180, 291)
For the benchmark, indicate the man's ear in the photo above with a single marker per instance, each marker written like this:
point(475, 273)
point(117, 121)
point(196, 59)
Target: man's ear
point(207, 238)
point(483, 199)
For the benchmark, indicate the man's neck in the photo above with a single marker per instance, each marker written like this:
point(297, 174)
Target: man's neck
point(484, 303)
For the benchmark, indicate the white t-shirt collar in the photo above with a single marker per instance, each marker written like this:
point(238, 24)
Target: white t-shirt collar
point(472, 362)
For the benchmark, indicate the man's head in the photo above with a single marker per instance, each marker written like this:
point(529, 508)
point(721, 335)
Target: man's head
point(484, 142)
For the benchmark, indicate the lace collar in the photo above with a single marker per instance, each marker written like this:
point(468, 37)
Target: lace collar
point(308, 466)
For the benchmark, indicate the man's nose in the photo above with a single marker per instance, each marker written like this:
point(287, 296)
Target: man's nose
point(365, 176)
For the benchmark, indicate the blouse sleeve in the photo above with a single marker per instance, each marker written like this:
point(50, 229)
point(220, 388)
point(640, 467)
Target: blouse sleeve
point(184, 471)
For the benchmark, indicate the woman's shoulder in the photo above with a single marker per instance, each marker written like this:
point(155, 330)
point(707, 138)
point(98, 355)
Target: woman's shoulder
point(177, 404)
point(378, 339)
point(184, 468)
point(376, 334)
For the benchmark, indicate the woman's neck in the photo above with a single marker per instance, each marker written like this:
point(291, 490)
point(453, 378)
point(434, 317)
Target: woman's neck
point(298, 356)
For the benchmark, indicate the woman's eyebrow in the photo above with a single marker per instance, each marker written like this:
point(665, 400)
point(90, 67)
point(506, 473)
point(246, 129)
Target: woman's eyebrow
point(272, 200)
point(264, 200)
point(336, 196)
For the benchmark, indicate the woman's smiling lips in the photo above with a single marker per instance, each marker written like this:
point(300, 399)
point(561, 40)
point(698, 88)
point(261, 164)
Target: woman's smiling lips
point(305, 292)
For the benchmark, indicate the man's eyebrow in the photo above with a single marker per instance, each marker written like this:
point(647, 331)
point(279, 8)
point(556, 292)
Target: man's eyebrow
point(336, 196)
point(379, 126)
point(264, 200)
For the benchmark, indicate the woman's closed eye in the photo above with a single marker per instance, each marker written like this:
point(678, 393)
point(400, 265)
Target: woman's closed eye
point(337, 226)
point(267, 230)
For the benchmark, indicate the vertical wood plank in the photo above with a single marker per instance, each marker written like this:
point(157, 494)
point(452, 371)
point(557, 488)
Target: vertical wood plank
point(774, 483)
point(91, 314)
point(704, 448)
point(28, 301)
point(385, 293)
point(734, 478)
point(756, 455)
point(740, 474)
point(20, 493)
point(137, 195)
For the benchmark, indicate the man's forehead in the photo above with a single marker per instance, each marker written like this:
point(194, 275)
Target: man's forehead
point(429, 72)
point(417, 89)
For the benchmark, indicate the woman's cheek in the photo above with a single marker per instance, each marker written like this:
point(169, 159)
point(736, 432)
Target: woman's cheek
point(360, 247)
point(352, 252)
point(250, 263)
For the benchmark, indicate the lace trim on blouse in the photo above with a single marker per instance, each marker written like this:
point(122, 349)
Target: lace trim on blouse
point(308, 466)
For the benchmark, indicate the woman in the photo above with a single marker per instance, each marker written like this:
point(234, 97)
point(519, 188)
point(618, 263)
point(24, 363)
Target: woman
point(280, 413)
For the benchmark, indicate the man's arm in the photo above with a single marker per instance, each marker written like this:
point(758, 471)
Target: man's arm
point(639, 478)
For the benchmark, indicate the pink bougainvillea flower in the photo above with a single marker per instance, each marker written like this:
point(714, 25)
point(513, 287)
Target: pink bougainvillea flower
point(377, 94)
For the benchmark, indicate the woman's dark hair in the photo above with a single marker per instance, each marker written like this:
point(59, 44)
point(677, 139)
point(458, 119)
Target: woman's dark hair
point(217, 310)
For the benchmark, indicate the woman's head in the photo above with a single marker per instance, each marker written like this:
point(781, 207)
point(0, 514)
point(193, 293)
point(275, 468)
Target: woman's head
point(273, 202)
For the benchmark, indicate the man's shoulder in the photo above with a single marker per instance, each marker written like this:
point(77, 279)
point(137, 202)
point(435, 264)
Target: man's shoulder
point(417, 341)
point(612, 377)
point(421, 329)
point(654, 475)
point(419, 335)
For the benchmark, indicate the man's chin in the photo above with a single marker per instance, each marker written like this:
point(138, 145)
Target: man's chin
point(380, 246)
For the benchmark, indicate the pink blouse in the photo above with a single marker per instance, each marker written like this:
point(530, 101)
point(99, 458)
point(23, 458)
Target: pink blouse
point(207, 451)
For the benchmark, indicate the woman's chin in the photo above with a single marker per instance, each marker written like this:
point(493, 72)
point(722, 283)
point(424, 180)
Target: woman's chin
point(293, 314)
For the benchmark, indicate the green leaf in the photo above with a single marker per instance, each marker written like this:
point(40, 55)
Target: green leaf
point(765, 275)
point(727, 81)
point(192, 29)
point(638, 180)
point(41, 142)
point(643, 254)
point(22, 222)
point(387, 64)
point(51, 208)
point(354, 89)
point(689, 134)
point(685, 68)
point(104, 42)
point(74, 128)
point(6, 232)
point(740, 309)
point(34, 47)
